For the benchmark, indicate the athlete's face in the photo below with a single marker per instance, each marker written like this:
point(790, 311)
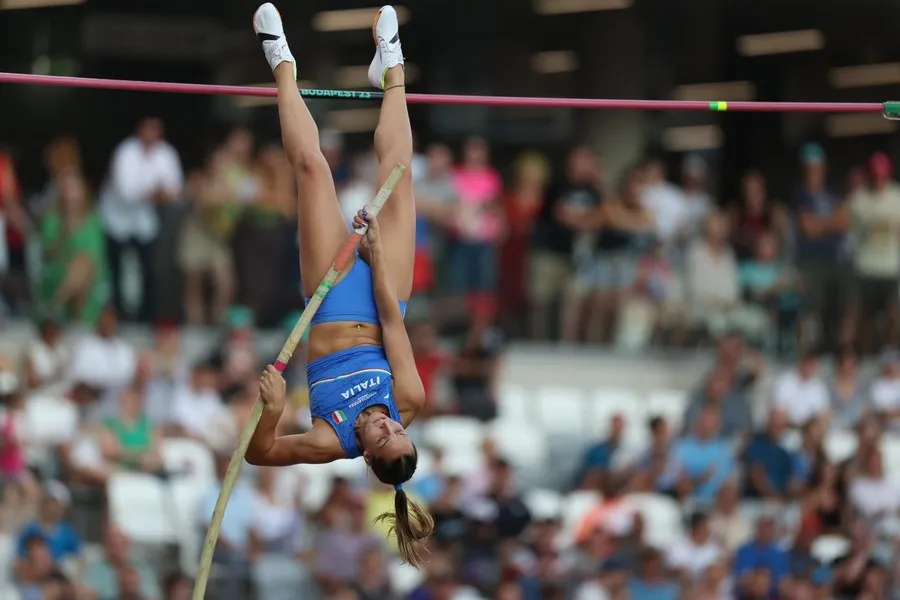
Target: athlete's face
point(384, 438)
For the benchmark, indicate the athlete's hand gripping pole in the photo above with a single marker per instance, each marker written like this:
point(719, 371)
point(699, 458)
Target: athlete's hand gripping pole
point(234, 466)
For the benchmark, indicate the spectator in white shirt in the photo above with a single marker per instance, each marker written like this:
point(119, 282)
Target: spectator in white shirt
point(875, 212)
point(873, 495)
point(48, 357)
point(885, 391)
point(696, 551)
point(103, 360)
point(665, 201)
point(145, 171)
point(801, 392)
point(713, 286)
point(198, 405)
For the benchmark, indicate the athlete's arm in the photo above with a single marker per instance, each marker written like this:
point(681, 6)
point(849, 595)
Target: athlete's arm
point(265, 449)
point(409, 394)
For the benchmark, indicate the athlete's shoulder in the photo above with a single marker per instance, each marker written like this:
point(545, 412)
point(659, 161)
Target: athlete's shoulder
point(320, 444)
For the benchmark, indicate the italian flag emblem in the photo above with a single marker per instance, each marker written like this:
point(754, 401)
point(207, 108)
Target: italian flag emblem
point(338, 416)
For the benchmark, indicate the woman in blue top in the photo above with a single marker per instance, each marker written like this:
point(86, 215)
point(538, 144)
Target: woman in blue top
point(363, 384)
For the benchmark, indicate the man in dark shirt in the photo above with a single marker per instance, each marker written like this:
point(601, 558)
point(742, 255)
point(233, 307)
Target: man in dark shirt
point(822, 222)
point(556, 227)
point(770, 469)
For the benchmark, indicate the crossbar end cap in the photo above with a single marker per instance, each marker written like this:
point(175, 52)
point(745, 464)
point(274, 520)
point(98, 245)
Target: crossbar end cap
point(891, 110)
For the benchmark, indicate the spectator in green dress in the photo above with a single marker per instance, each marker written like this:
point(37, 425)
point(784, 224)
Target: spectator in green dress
point(74, 278)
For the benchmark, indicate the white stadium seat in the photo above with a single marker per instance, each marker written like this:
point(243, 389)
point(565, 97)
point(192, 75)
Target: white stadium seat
point(561, 410)
point(607, 402)
point(184, 456)
point(50, 420)
point(513, 404)
point(142, 507)
point(186, 496)
point(791, 440)
point(454, 434)
point(826, 548)
point(840, 444)
point(662, 518)
point(311, 484)
point(543, 504)
point(404, 578)
point(463, 464)
point(521, 444)
point(425, 464)
point(354, 471)
point(669, 404)
point(575, 506)
point(890, 454)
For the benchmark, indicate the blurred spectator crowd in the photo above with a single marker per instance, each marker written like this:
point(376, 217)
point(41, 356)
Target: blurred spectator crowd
point(548, 253)
point(776, 476)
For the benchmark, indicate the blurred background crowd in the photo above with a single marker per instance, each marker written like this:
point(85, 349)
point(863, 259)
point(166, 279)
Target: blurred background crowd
point(660, 364)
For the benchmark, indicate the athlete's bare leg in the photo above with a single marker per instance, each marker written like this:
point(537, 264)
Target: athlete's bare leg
point(394, 145)
point(320, 222)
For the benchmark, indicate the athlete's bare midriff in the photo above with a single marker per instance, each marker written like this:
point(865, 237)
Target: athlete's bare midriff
point(328, 338)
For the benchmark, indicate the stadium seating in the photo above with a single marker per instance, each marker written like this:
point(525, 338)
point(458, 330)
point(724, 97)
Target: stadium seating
point(662, 518)
point(50, 420)
point(188, 458)
point(562, 410)
point(143, 508)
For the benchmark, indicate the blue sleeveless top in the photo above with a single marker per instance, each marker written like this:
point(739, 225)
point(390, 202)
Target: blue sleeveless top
point(343, 384)
point(351, 299)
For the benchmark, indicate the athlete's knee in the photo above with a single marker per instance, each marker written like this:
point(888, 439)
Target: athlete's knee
point(309, 160)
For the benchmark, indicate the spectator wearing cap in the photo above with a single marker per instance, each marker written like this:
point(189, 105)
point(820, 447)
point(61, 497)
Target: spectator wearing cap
point(823, 221)
point(47, 360)
point(62, 541)
point(875, 210)
point(763, 551)
point(801, 392)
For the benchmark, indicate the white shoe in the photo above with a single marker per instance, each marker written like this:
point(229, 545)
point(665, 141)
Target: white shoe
point(270, 31)
point(388, 53)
